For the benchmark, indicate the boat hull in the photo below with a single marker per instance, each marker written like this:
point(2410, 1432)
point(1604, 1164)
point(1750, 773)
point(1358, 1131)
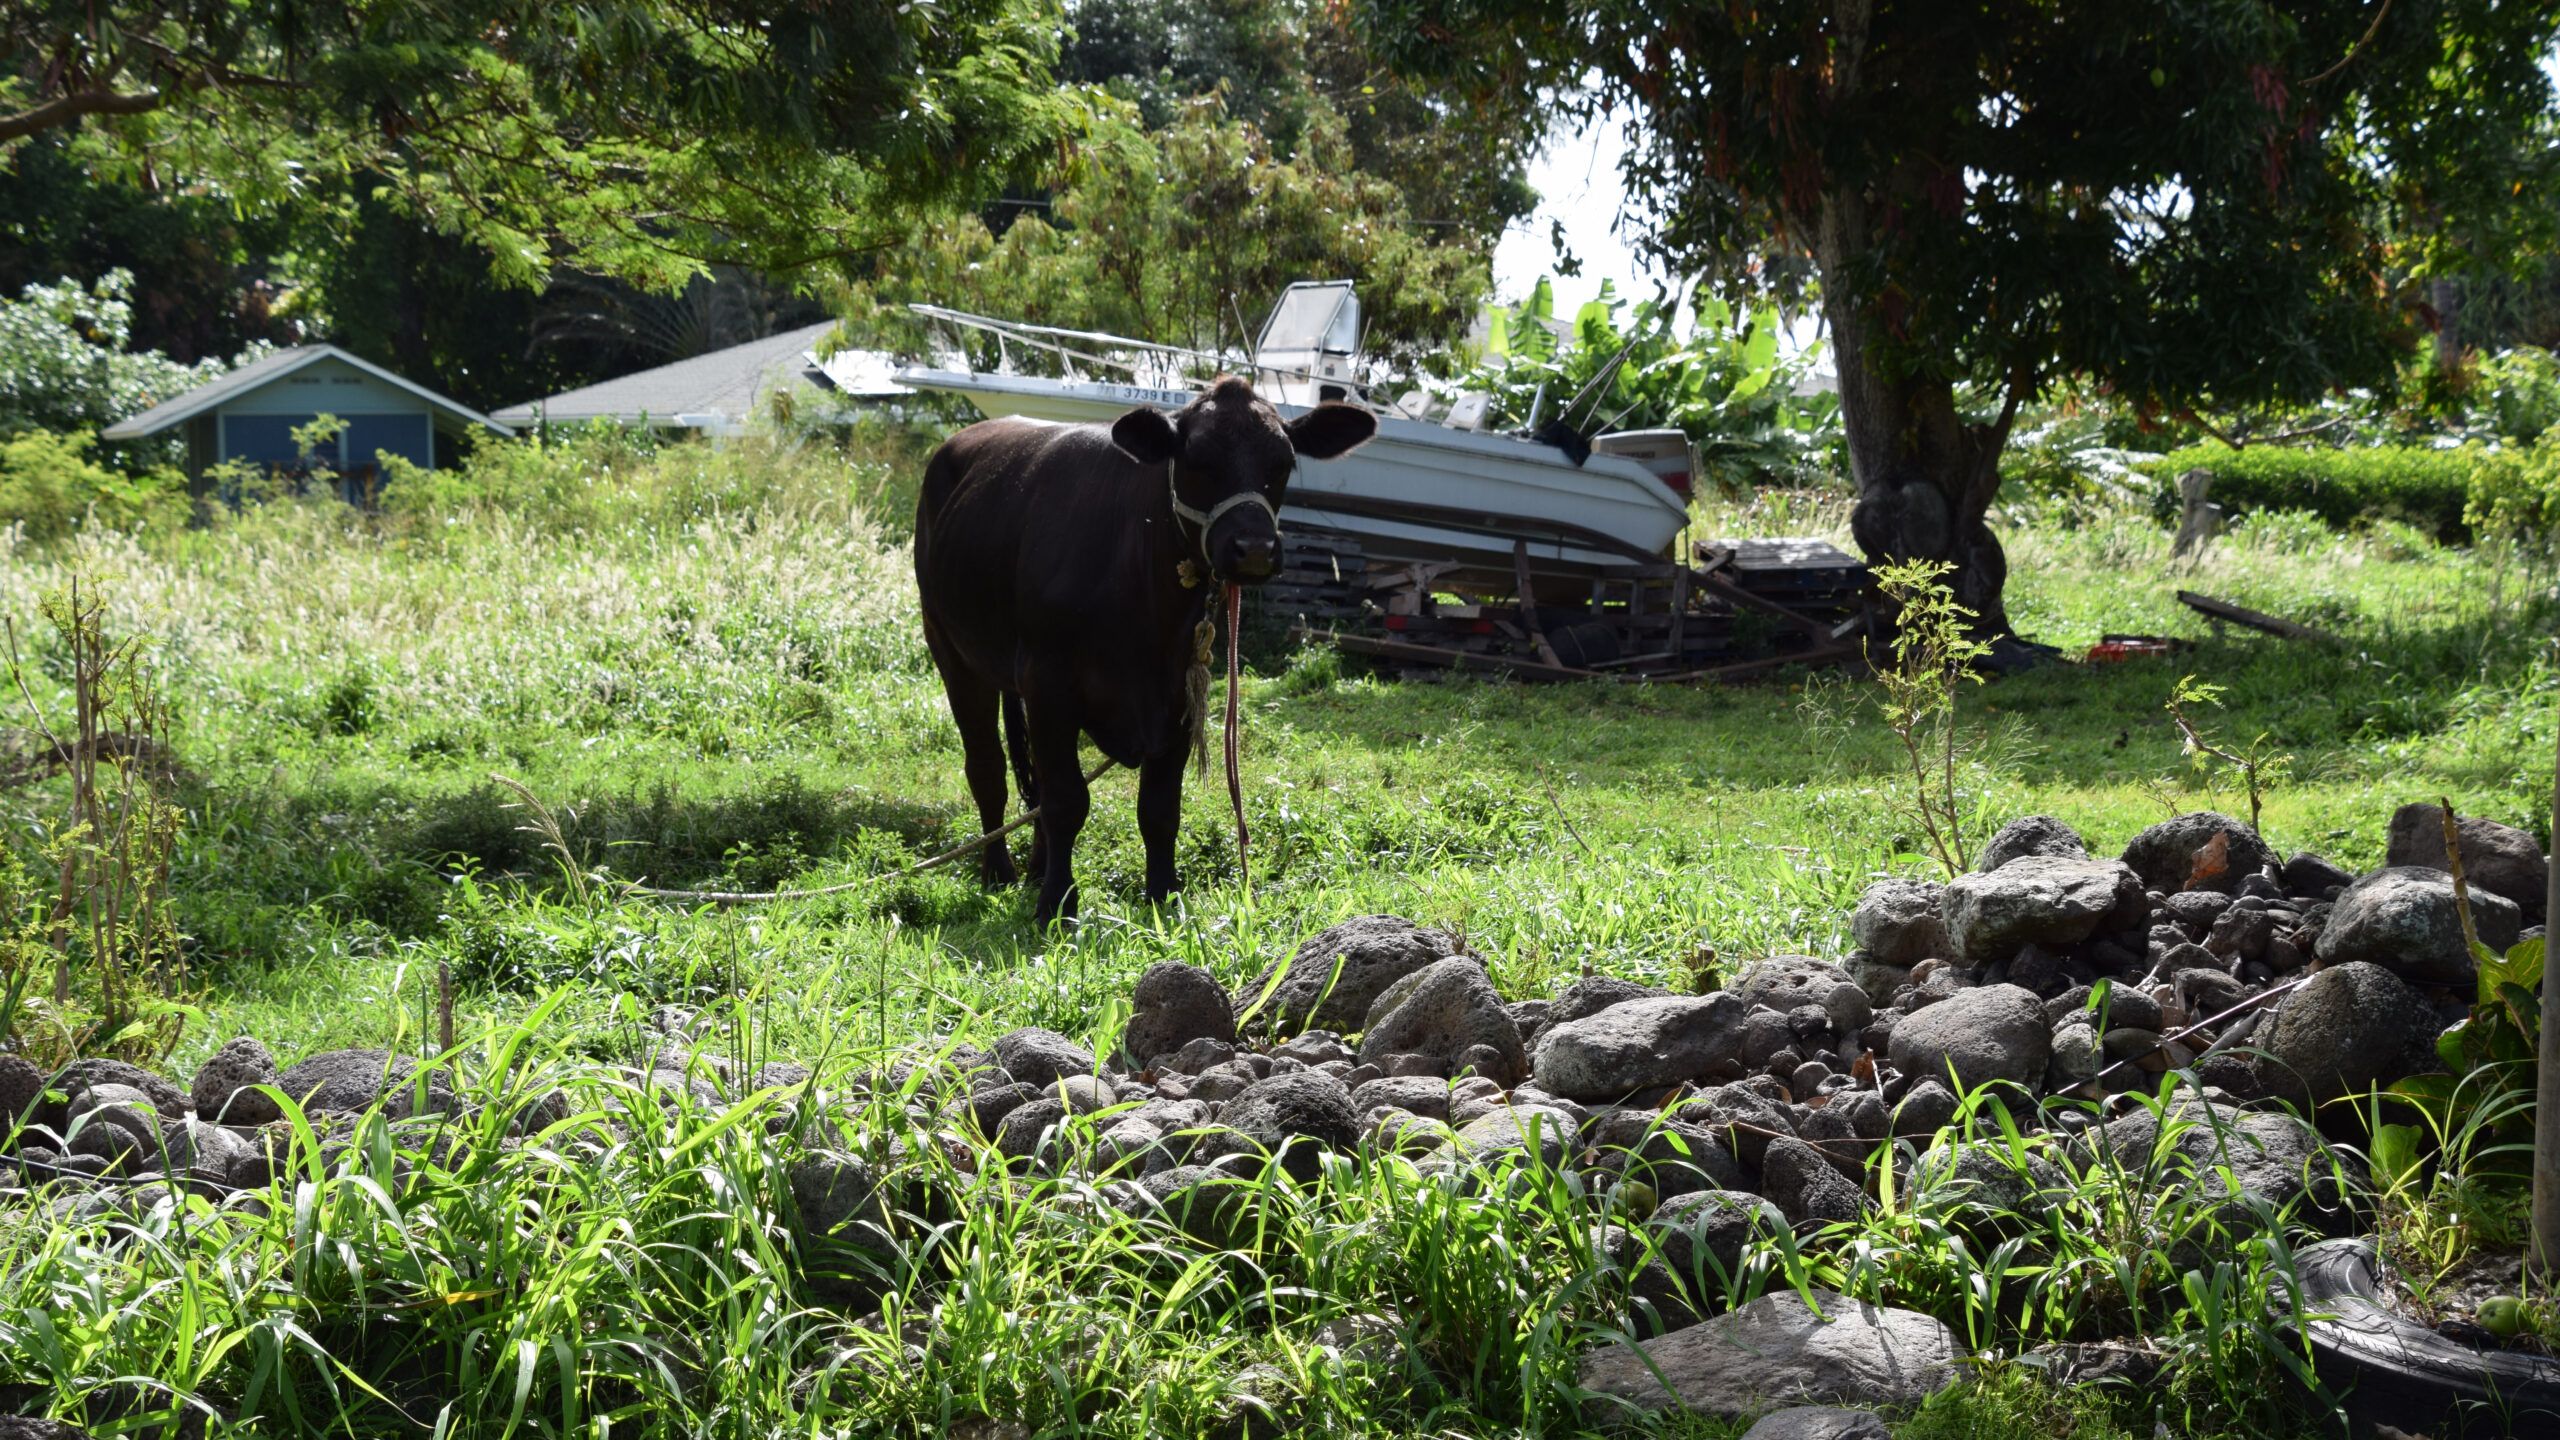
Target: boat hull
point(1416, 492)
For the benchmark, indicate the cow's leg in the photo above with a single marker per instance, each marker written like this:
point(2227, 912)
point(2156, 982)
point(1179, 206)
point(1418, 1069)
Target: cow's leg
point(1026, 775)
point(973, 709)
point(1160, 820)
point(1064, 802)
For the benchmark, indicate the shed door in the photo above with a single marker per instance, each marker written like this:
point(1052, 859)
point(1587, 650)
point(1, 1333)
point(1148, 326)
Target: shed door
point(401, 435)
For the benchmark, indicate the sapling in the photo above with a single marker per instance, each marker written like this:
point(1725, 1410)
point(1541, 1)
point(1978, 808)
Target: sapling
point(2259, 764)
point(1934, 650)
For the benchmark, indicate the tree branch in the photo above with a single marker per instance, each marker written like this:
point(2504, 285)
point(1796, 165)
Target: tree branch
point(64, 109)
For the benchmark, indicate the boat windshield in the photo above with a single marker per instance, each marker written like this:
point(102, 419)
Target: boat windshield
point(1308, 344)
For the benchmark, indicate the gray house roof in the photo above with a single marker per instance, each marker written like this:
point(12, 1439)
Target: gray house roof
point(704, 391)
point(264, 371)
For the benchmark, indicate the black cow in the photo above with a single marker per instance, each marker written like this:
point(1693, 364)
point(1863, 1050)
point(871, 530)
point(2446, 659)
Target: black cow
point(1064, 570)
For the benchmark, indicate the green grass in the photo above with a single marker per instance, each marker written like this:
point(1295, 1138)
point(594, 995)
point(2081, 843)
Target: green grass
point(707, 664)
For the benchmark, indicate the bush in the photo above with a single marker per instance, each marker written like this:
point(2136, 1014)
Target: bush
point(49, 486)
point(2453, 493)
point(64, 365)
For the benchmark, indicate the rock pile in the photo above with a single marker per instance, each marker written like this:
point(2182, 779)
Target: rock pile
point(1712, 1118)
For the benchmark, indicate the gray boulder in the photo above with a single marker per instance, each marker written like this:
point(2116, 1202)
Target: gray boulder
point(2311, 876)
point(1785, 982)
point(2031, 835)
point(1777, 1350)
point(2500, 859)
point(1042, 1057)
point(2270, 1155)
point(111, 1121)
point(1806, 1187)
point(1508, 1131)
point(1640, 1044)
point(1445, 1010)
point(1373, 951)
point(349, 1081)
point(1993, 1032)
point(1705, 1234)
point(1592, 994)
point(79, 1075)
point(1925, 1109)
point(2405, 920)
point(21, 1091)
point(207, 1151)
point(1745, 1120)
point(1025, 1125)
point(1297, 1116)
point(1898, 922)
point(2166, 855)
point(1423, 1095)
point(2349, 1029)
point(835, 1196)
point(223, 1085)
point(2050, 900)
point(1672, 1156)
point(1818, 1422)
point(1172, 1005)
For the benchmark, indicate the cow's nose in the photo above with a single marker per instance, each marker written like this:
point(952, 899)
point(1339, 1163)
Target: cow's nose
point(1256, 558)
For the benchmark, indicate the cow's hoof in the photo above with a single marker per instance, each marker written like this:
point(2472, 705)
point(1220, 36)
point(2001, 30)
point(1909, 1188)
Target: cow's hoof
point(998, 872)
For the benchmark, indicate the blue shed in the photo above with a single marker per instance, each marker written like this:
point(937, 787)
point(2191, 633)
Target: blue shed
point(251, 414)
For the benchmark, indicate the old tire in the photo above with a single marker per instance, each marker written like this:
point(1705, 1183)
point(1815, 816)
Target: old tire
point(2397, 1372)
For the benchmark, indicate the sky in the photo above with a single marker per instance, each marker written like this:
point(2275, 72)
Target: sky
point(1576, 178)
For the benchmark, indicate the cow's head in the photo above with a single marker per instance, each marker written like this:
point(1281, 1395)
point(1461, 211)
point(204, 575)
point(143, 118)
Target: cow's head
point(1232, 456)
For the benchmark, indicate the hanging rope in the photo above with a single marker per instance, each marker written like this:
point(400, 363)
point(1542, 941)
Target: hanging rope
point(1235, 771)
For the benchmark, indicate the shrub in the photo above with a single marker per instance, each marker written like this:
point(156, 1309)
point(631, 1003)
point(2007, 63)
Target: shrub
point(49, 486)
point(64, 365)
point(2453, 493)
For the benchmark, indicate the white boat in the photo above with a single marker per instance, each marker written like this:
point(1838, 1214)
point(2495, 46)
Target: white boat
point(1419, 491)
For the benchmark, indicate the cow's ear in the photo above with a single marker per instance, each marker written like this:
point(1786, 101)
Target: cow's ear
point(1146, 436)
point(1329, 430)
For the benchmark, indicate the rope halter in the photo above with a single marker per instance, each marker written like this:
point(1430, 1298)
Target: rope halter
point(1204, 519)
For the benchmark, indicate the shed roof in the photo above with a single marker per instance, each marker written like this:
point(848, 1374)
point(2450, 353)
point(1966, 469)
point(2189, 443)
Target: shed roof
point(266, 370)
point(721, 387)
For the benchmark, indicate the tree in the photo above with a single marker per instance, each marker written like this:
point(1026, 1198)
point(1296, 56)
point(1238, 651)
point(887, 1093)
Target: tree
point(1186, 235)
point(640, 138)
point(2229, 203)
point(1280, 66)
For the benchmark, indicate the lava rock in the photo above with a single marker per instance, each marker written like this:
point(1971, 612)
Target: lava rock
point(1996, 1032)
point(1444, 1010)
point(2404, 919)
point(1779, 1349)
point(1592, 994)
point(1806, 1187)
point(79, 1075)
point(1787, 982)
point(2312, 878)
point(1423, 1095)
point(207, 1151)
point(1172, 1005)
point(1041, 1058)
point(1899, 922)
point(2031, 835)
point(1507, 1131)
point(2500, 859)
point(1373, 951)
point(1296, 1117)
point(21, 1092)
point(222, 1089)
point(1315, 1048)
point(2166, 855)
point(345, 1082)
point(1672, 1156)
point(1641, 1043)
point(112, 1121)
point(989, 1104)
point(835, 1196)
point(2350, 1028)
point(2048, 900)
point(1744, 1119)
point(1019, 1137)
point(1703, 1235)
point(1818, 1422)
point(2271, 1156)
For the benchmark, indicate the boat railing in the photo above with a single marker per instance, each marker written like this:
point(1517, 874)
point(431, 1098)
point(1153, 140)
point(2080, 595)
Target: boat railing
point(1056, 340)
